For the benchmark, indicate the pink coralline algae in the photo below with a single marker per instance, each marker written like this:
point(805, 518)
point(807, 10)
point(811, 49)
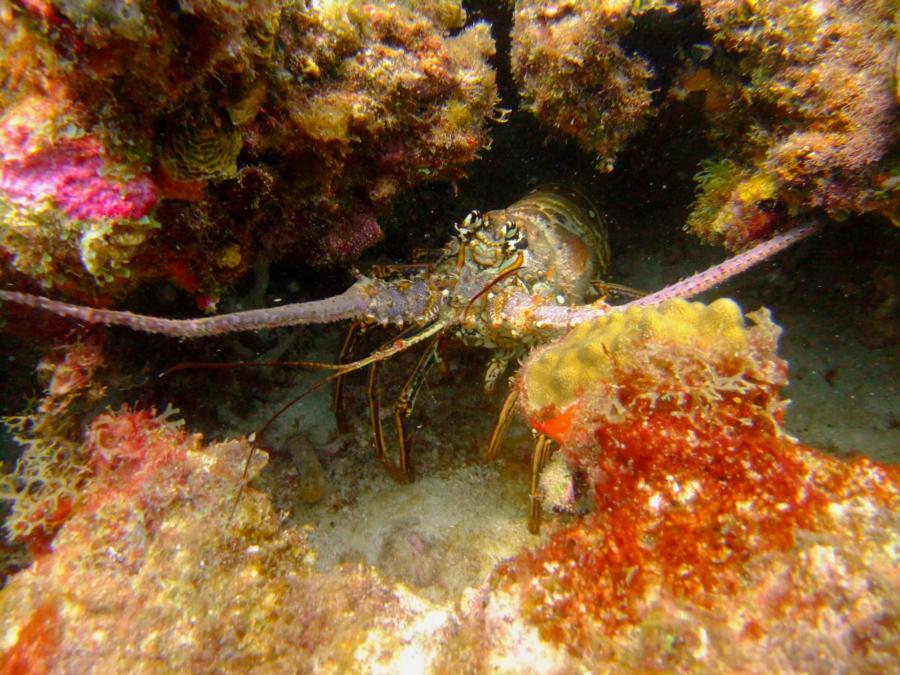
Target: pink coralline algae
point(72, 174)
point(72, 216)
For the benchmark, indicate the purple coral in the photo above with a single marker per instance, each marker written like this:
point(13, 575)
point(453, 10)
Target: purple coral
point(349, 241)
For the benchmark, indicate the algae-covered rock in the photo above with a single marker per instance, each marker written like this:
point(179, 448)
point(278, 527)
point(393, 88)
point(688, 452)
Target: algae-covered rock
point(575, 76)
point(160, 568)
point(185, 143)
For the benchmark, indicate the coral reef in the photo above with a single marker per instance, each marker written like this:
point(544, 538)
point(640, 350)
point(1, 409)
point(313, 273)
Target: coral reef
point(575, 76)
point(191, 140)
point(153, 572)
point(142, 143)
point(801, 103)
point(386, 101)
point(598, 352)
point(805, 114)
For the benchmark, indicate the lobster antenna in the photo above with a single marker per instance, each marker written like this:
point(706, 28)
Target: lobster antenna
point(258, 434)
point(234, 365)
point(348, 305)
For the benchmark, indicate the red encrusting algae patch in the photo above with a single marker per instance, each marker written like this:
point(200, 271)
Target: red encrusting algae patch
point(36, 647)
point(703, 507)
point(40, 538)
point(556, 427)
point(681, 514)
point(181, 273)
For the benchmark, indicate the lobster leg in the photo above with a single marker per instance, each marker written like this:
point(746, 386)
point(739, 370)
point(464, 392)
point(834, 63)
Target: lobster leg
point(606, 289)
point(402, 471)
point(338, 405)
point(503, 420)
point(343, 370)
point(541, 454)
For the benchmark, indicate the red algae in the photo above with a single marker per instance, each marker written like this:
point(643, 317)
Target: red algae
point(717, 543)
point(35, 649)
point(716, 540)
point(130, 444)
point(683, 518)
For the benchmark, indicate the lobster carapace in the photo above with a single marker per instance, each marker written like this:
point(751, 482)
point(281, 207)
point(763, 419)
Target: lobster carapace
point(554, 244)
point(549, 245)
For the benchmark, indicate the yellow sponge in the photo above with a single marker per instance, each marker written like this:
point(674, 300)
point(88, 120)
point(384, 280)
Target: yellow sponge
point(594, 350)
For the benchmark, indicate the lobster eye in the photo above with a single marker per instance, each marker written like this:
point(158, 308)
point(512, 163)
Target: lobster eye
point(469, 224)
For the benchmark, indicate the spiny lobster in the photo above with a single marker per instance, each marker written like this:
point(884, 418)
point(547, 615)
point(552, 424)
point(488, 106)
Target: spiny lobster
point(508, 280)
